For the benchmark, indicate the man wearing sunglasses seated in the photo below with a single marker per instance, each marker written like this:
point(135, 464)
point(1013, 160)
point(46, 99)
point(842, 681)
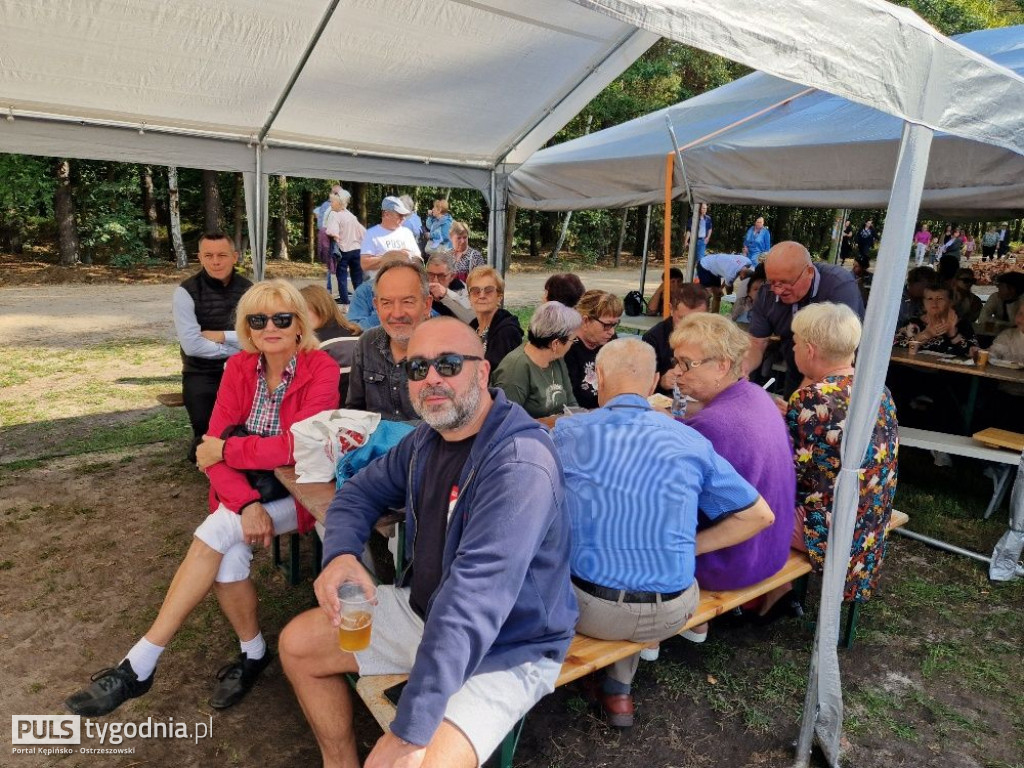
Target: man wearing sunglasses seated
point(634, 542)
point(203, 307)
point(401, 296)
point(482, 618)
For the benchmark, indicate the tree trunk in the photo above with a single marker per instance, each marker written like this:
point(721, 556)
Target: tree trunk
point(64, 209)
point(281, 228)
point(534, 234)
point(782, 229)
point(359, 193)
point(309, 224)
point(510, 235)
point(149, 211)
point(174, 207)
point(213, 213)
point(239, 215)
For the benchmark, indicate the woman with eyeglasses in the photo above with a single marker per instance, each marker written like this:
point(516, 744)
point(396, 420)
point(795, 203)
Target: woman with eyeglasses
point(498, 329)
point(535, 375)
point(601, 312)
point(279, 378)
point(745, 427)
point(466, 259)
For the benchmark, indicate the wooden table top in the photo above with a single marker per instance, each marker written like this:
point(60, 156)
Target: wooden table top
point(316, 497)
point(942, 363)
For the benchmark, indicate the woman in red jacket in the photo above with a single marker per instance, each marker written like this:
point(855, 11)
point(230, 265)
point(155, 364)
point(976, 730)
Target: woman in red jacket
point(279, 378)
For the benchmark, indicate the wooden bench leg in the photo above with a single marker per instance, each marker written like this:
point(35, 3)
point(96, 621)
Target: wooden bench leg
point(850, 630)
point(292, 568)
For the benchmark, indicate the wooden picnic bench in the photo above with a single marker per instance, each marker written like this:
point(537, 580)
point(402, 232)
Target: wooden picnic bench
point(316, 497)
point(171, 399)
point(588, 654)
point(976, 447)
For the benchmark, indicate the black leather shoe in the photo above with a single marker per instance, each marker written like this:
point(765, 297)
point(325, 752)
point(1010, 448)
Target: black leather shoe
point(235, 679)
point(109, 690)
point(786, 607)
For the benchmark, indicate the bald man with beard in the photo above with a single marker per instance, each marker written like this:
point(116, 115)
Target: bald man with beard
point(483, 617)
point(794, 281)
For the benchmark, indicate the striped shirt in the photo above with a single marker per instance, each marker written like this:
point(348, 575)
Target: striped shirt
point(265, 415)
point(635, 480)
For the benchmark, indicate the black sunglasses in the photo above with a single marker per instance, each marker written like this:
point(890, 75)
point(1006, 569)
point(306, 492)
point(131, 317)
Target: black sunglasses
point(259, 322)
point(446, 365)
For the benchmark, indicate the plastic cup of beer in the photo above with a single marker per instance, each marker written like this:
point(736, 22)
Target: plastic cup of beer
point(356, 617)
point(982, 359)
point(914, 347)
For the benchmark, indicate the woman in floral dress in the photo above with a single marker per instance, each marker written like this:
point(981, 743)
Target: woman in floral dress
point(825, 338)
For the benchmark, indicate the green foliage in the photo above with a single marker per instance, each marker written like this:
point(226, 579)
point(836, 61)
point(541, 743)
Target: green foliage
point(954, 17)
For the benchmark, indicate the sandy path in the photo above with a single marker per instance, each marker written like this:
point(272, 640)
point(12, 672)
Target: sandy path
point(69, 315)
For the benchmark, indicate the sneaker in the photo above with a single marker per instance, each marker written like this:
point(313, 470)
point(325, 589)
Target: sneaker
point(235, 679)
point(109, 690)
point(694, 637)
point(650, 654)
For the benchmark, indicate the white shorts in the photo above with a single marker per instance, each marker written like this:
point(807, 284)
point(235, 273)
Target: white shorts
point(489, 704)
point(222, 532)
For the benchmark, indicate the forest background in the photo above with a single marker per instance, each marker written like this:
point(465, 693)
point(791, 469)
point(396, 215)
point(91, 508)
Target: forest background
point(126, 215)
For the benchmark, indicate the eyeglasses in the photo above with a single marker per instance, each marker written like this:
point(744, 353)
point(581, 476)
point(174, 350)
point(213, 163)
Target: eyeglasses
point(784, 284)
point(607, 326)
point(483, 290)
point(446, 365)
point(437, 275)
point(259, 322)
point(689, 365)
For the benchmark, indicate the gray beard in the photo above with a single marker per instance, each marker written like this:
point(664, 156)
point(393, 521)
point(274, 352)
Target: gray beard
point(456, 415)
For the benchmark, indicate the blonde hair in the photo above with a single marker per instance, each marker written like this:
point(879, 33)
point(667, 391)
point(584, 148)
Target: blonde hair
point(833, 329)
point(479, 273)
point(716, 336)
point(326, 308)
point(459, 228)
point(258, 298)
point(442, 205)
point(595, 303)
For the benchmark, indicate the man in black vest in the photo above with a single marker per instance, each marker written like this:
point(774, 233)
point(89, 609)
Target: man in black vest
point(204, 321)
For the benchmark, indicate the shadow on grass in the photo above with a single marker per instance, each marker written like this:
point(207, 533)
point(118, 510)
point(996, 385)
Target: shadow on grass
point(174, 379)
point(27, 445)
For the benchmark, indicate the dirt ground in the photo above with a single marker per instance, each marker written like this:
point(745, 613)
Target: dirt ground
point(90, 543)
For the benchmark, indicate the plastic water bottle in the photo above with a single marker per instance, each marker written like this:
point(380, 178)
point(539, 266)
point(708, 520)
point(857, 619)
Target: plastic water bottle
point(678, 403)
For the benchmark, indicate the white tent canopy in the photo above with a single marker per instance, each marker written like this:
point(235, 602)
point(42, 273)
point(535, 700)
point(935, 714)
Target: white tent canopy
point(362, 89)
point(469, 89)
point(765, 140)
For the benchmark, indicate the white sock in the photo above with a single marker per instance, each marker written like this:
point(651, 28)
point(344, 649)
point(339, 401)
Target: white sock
point(143, 657)
point(254, 649)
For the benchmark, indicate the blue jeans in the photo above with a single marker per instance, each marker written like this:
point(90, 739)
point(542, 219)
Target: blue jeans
point(699, 251)
point(346, 262)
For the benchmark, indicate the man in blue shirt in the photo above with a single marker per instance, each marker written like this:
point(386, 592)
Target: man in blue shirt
point(793, 281)
point(635, 480)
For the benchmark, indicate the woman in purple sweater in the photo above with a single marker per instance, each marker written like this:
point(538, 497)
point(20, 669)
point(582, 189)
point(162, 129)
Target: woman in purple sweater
point(747, 430)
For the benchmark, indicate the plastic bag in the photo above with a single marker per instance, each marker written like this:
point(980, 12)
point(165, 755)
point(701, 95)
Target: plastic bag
point(324, 437)
point(1005, 564)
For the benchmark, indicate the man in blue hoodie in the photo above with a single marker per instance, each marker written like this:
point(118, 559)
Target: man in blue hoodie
point(483, 615)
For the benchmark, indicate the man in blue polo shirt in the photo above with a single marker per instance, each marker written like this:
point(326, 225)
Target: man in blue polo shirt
point(634, 480)
point(793, 281)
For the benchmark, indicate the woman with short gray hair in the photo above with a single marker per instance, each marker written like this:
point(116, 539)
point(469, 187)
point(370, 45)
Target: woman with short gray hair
point(534, 375)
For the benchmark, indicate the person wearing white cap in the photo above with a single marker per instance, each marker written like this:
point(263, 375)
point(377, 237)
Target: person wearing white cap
point(389, 238)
